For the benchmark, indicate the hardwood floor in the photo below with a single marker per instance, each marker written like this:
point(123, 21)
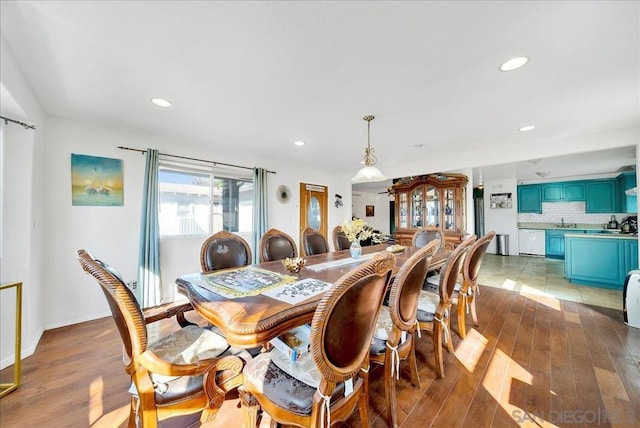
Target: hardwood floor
point(534, 361)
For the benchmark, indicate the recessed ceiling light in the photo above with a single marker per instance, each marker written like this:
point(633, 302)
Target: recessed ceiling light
point(514, 63)
point(161, 102)
point(299, 143)
point(527, 128)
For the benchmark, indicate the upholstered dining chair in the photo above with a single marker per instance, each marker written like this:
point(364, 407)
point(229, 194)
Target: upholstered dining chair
point(313, 242)
point(276, 245)
point(224, 250)
point(340, 241)
point(394, 339)
point(427, 234)
point(333, 380)
point(434, 307)
point(182, 373)
point(466, 288)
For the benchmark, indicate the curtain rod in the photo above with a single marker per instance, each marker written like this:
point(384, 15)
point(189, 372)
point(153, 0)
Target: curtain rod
point(17, 122)
point(194, 159)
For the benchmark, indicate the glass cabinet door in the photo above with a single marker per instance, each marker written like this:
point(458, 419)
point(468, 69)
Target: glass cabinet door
point(403, 209)
point(416, 207)
point(432, 206)
point(449, 209)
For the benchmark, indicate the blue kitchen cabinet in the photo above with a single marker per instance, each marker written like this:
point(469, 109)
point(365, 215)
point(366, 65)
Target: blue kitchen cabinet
point(569, 191)
point(631, 251)
point(529, 199)
point(554, 242)
point(626, 203)
point(601, 196)
point(598, 261)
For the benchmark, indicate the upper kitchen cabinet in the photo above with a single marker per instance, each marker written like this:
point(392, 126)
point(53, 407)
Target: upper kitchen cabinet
point(530, 198)
point(624, 182)
point(601, 196)
point(569, 191)
point(430, 200)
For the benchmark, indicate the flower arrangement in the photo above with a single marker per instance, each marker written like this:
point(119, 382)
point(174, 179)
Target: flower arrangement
point(357, 230)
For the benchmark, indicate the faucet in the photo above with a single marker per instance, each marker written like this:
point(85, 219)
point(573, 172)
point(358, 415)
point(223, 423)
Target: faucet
point(562, 219)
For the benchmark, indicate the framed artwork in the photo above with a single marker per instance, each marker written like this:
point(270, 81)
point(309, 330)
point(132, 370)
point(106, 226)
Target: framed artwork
point(500, 200)
point(369, 210)
point(96, 181)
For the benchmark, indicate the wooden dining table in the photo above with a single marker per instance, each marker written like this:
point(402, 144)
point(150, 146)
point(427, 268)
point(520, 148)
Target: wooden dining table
point(252, 321)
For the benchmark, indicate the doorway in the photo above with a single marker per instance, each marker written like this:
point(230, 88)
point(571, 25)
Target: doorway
point(314, 208)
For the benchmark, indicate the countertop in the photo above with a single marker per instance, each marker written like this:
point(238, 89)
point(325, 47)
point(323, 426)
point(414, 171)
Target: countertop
point(579, 226)
point(603, 235)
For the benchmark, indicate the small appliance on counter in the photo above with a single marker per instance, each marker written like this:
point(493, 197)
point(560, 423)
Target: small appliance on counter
point(629, 224)
point(613, 224)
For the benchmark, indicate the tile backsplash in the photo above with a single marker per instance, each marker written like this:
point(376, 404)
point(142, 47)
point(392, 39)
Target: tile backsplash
point(571, 212)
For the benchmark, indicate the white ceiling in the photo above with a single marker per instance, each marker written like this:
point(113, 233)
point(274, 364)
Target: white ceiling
point(256, 76)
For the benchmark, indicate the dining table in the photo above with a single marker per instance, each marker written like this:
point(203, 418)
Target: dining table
point(253, 304)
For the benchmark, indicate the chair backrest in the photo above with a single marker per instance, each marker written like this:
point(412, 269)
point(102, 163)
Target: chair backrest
point(313, 242)
point(427, 234)
point(224, 250)
point(451, 270)
point(124, 306)
point(406, 287)
point(472, 263)
point(276, 245)
point(340, 241)
point(344, 321)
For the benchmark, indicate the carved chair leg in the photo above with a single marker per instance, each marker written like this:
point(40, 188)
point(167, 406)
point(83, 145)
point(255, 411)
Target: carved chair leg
point(413, 363)
point(462, 313)
point(132, 413)
point(363, 406)
point(390, 389)
point(437, 348)
point(447, 334)
point(474, 314)
point(250, 408)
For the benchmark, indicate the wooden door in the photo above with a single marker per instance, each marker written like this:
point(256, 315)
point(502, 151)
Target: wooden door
point(314, 208)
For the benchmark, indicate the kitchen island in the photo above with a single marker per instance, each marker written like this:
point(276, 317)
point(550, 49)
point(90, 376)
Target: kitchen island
point(600, 260)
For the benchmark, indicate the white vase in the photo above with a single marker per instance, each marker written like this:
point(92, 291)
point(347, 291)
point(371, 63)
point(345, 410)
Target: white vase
point(356, 249)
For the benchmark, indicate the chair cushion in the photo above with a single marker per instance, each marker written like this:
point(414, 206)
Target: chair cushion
point(384, 324)
point(303, 369)
point(282, 389)
point(189, 345)
point(427, 305)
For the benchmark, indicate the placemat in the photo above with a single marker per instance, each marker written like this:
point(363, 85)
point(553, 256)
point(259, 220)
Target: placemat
point(240, 282)
point(341, 262)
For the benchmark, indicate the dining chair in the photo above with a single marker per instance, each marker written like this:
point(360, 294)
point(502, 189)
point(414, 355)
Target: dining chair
point(340, 241)
point(276, 245)
point(313, 242)
point(427, 234)
point(434, 307)
point(466, 288)
point(176, 374)
point(394, 338)
point(224, 250)
point(333, 380)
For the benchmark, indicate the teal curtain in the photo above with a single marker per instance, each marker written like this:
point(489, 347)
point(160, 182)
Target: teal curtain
point(149, 285)
point(259, 209)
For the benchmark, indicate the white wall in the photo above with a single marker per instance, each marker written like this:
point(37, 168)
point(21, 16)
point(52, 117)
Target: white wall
point(380, 202)
point(504, 221)
point(21, 252)
point(112, 233)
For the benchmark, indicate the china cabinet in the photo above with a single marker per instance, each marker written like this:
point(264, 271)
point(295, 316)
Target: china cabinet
point(430, 200)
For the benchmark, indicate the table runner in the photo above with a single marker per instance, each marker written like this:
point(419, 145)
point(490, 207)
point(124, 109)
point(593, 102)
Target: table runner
point(340, 262)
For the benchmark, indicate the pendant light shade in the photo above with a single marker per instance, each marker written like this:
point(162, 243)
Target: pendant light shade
point(368, 173)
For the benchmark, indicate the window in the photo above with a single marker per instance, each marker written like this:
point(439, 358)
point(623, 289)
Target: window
point(201, 200)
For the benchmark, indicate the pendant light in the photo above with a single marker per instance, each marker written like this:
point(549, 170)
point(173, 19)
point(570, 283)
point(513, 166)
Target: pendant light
point(368, 173)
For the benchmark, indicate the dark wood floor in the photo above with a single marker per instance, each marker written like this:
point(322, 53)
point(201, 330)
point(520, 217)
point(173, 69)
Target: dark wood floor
point(533, 361)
